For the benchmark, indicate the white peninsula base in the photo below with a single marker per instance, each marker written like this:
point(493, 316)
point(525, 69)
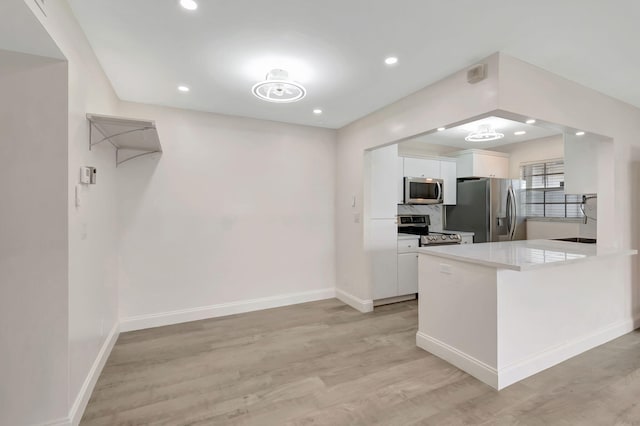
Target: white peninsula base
point(502, 313)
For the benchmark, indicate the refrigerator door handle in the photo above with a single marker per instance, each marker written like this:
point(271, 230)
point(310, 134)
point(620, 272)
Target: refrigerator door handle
point(508, 213)
point(512, 213)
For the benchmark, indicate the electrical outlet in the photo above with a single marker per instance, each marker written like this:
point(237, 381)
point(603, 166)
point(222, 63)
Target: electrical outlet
point(445, 268)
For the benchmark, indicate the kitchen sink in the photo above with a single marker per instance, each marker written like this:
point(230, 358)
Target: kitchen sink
point(577, 240)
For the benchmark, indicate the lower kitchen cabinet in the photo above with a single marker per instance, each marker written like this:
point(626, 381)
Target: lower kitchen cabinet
point(407, 273)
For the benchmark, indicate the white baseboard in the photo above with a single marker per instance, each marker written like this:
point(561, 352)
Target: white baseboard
point(205, 312)
point(79, 405)
point(59, 422)
point(478, 369)
point(81, 401)
point(361, 305)
point(505, 376)
point(536, 363)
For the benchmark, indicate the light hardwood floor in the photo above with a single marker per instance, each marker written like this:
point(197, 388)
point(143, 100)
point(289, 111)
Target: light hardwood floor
point(323, 363)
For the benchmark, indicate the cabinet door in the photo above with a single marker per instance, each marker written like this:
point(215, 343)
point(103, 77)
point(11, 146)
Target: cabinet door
point(407, 273)
point(421, 167)
point(491, 166)
point(383, 187)
point(382, 247)
point(400, 180)
point(448, 175)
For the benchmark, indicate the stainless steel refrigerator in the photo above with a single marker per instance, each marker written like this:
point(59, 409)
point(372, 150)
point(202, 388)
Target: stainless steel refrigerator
point(491, 208)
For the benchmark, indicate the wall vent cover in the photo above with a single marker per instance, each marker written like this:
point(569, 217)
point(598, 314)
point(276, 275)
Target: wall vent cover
point(477, 73)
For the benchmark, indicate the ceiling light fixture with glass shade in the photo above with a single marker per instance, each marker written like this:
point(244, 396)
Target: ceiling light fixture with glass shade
point(485, 133)
point(278, 88)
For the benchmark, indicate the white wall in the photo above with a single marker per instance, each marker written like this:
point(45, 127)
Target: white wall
point(33, 239)
point(441, 104)
point(234, 209)
point(92, 283)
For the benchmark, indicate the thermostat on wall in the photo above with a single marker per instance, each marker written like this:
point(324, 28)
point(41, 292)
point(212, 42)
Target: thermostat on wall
point(88, 174)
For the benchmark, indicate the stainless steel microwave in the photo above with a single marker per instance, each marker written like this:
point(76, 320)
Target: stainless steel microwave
point(422, 190)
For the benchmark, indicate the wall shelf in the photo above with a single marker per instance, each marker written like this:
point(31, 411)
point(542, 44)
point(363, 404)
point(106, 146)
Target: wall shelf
point(130, 137)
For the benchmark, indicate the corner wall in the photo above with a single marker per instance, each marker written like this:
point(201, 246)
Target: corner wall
point(92, 265)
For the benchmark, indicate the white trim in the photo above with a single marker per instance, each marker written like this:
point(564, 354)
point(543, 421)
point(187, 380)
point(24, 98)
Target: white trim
point(555, 355)
point(80, 404)
point(141, 322)
point(356, 303)
point(59, 422)
point(505, 376)
point(476, 368)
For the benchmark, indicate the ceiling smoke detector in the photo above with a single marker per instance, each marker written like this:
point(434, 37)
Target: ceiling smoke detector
point(278, 88)
point(485, 133)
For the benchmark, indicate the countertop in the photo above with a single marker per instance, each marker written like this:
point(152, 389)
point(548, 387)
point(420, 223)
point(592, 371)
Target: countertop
point(524, 255)
point(408, 237)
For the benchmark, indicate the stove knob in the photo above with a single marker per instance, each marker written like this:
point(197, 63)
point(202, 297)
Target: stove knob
point(452, 237)
point(444, 237)
point(432, 238)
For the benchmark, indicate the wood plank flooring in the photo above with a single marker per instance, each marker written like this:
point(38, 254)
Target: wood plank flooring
point(323, 363)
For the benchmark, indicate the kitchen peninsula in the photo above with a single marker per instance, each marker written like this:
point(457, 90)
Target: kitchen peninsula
point(504, 311)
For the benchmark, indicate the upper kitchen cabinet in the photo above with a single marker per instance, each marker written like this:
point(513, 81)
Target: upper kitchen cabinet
point(481, 163)
point(383, 186)
point(421, 167)
point(448, 173)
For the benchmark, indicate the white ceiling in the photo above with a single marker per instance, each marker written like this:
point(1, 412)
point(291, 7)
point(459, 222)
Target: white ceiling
point(336, 49)
point(454, 137)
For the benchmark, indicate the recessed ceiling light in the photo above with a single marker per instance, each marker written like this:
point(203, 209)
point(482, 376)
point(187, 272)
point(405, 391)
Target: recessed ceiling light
point(277, 87)
point(579, 133)
point(317, 111)
point(441, 129)
point(183, 89)
point(519, 133)
point(391, 60)
point(530, 121)
point(189, 4)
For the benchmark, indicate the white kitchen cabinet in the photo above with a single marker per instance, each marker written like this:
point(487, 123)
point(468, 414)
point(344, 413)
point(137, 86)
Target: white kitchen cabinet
point(448, 175)
point(481, 163)
point(400, 180)
point(408, 266)
point(382, 247)
point(407, 273)
point(421, 167)
point(383, 188)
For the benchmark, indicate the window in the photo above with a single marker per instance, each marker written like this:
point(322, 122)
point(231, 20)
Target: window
point(544, 191)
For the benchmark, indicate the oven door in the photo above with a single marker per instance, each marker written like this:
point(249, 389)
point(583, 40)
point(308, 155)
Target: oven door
point(422, 191)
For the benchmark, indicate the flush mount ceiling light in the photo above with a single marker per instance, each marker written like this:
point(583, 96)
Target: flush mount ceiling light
point(189, 4)
point(520, 133)
point(530, 121)
point(278, 88)
point(485, 133)
point(441, 129)
point(391, 60)
point(317, 111)
point(183, 89)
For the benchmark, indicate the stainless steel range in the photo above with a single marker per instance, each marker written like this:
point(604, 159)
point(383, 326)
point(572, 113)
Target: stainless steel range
point(419, 225)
